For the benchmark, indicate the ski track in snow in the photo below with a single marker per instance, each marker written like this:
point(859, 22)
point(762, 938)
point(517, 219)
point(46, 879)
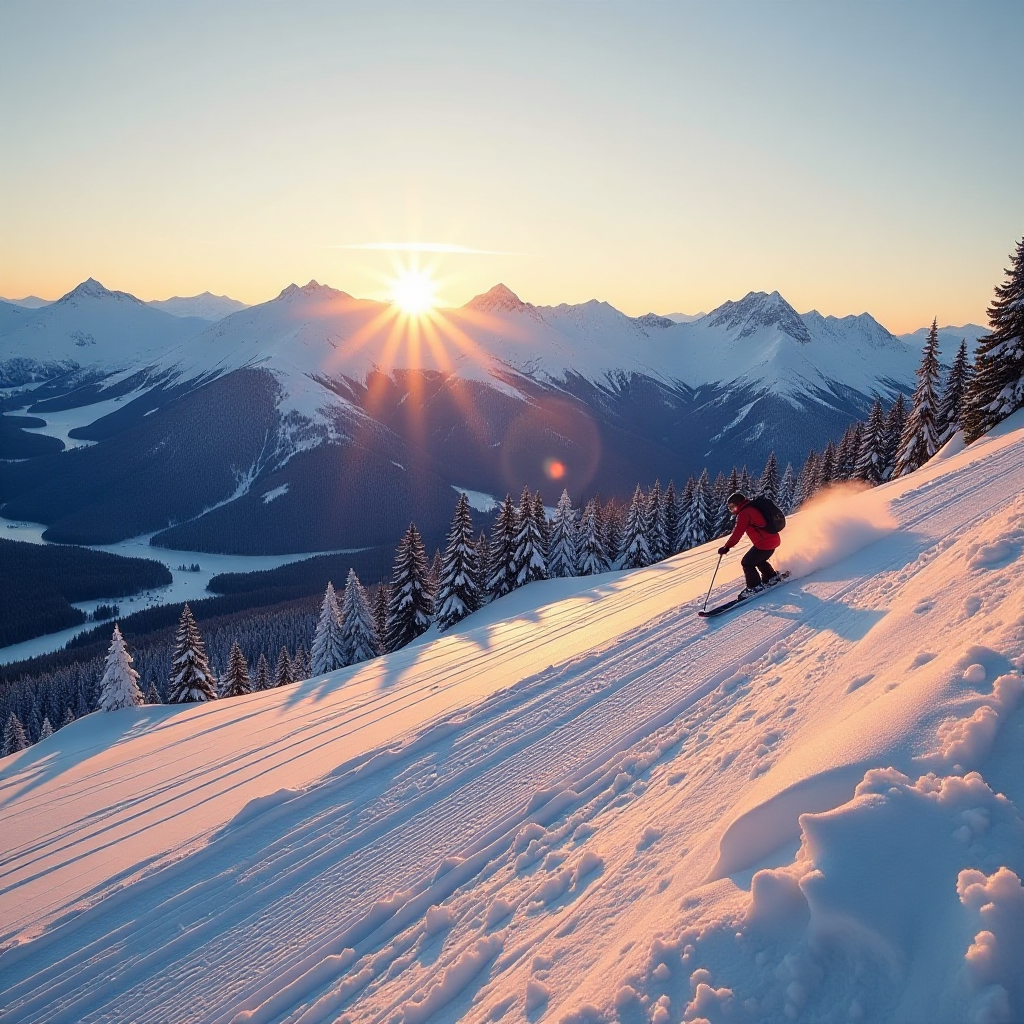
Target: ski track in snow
point(318, 903)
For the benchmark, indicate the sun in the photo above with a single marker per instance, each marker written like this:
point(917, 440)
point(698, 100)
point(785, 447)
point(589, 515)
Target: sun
point(414, 292)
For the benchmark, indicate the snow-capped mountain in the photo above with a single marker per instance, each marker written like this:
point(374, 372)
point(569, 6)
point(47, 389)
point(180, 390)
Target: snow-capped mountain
point(89, 328)
point(949, 339)
point(28, 302)
point(582, 804)
point(356, 408)
point(205, 306)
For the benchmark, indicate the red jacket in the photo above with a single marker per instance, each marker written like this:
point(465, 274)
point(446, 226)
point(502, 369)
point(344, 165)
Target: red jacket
point(750, 522)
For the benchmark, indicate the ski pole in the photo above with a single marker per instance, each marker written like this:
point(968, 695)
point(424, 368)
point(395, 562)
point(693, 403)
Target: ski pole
point(713, 575)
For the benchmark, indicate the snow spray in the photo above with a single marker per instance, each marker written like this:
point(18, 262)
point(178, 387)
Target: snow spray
point(837, 521)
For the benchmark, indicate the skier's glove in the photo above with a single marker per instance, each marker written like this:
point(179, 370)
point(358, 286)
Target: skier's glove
point(723, 551)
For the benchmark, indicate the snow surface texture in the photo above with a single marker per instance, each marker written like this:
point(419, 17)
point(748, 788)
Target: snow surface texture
point(581, 804)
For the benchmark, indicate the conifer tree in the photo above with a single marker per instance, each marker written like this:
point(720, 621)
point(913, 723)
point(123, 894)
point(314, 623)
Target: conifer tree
point(895, 421)
point(657, 535)
point(119, 687)
point(672, 518)
point(69, 717)
point(528, 560)
point(562, 554)
point(807, 482)
point(997, 387)
point(358, 630)
point(152, 695)
point(236, 679)
point(47, 730)
point(409, 602)
point(611, 523)
point(14, 735)
point(951, 408)
point(379, 607)
point(768, 485)
point(262, 680)
point(458, 594)
point(541, 514)
point(191, 678)
point(787, 489)
point(747, 484)
point(700, 522)
point(502, 580)
point(920, 440)
point(592, 556)
point(300, 664)
point(483, 567)
point(328, 653)
point(283, 675)
point(434, 574)
point(871, 457)
point(848, 453)
point(636, 552)
point(827, 465)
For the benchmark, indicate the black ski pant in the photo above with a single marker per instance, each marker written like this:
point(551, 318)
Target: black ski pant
point(757, 559)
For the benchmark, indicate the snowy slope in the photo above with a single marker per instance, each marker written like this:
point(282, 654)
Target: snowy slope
point(557, 811)
point(206, 306)
point(91, 327)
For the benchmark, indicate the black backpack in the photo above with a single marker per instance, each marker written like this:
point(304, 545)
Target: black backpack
point(774, 517)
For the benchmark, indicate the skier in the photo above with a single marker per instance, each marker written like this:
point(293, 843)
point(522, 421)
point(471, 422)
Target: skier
point(749, 520)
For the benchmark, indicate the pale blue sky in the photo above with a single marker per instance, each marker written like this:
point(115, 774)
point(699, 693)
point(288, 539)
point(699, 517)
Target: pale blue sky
point(665, 156)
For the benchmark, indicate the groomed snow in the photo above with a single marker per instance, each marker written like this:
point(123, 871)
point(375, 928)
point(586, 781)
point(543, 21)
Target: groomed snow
point(583, 804)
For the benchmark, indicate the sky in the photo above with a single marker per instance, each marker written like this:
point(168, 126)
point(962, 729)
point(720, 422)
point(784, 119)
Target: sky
point(660, 156)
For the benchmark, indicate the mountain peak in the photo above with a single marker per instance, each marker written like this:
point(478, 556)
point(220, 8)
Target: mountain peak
point(757, 310)
point(500, 299)
point(90, 288)
point(311, 290)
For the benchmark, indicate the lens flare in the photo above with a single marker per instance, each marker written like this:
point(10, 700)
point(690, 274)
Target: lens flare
point(554, 468)
point(414, 292)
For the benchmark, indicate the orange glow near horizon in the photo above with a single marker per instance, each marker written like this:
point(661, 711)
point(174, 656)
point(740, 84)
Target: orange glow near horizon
point(414, 291)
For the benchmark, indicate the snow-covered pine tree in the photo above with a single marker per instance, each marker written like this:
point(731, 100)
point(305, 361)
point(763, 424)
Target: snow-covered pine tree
point(592, 556)
point(300, 664)
point(951, 408)
point(895, 421)
point(47, 730)
point(612, 524)
point(14, 735)
point(562, 554)
point(69, 717)
point(358, 629)
point(807, 482)
point(379, 607)
point(920, 440)
point(119, 687)
point(747, 483)
point(483, 567)
point(262, 681)
point(787, 489)
point(827, 466)
point(768, 485)
point(458, 594)
point(409, 603)
point(997, 387)
point(328, 652)
point(434, 574)
point(191, 678)
point(283, 675)
point(236, 679)
point(152, 695)
point(701, 519)
point(528, 562)
point(657, 534)
point(502, 580)
point(848, 453)
point(871, 457)
point(672, 518)
point(541, 514)
point(636, 552)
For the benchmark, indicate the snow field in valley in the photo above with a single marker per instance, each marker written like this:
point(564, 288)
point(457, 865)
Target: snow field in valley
point(584, 804)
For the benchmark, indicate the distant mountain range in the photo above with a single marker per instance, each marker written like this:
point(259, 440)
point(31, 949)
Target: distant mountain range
point(318, 420)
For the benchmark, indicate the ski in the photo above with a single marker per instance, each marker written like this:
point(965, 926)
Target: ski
point(707, 613)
